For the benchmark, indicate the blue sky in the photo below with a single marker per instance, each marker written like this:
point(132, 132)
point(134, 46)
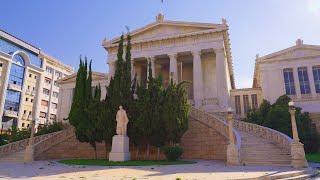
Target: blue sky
point(68, 29)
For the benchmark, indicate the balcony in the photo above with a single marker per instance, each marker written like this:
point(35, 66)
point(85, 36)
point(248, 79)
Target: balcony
point(10, 113)
point(14, 87)
point(30, 92)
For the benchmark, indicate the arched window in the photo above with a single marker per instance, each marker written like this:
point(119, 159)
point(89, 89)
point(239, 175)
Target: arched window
point(18, 59)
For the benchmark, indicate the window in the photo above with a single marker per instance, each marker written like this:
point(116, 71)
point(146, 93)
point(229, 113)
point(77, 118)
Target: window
point(16, 75)
point(289, 82)
point(316, 77)
point(43, 115)
point(28, 125)
point(27, 99)
point(30, 75)
point(238, 104)
point(31, 100)
point(49, 70)
point(46, 91)
point(1, 65)
point(55, 94)
point(58, 74)
point(54, 105)
point(254, 101)
point(28, 87)
point(18, 59)
point(24, 112)
point(35, 77)
point(304, 80)
point(53, 117)
point(12, 101)
point(56, 83)
point(44, 103)
point(22, 124)
point(47, 81)
point(246, 104)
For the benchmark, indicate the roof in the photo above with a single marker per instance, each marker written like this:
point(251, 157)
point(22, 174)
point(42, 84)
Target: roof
point(72, 78)
point(194, 29)
point(285, 54)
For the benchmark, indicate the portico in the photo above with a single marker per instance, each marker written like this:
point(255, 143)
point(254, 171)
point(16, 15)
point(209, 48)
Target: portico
point(198, 53)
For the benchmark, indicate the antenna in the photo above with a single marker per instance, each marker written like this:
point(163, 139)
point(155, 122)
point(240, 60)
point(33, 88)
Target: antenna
point(162, 7)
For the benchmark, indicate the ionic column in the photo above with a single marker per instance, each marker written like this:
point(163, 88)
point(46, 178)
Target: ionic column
point(4, 91)
point(151, 60)
point(296, 82)
point(132, 70)
point(197, 78)
point(311, 81)
point(173, 72)
point(222, 78)
point(112, 67)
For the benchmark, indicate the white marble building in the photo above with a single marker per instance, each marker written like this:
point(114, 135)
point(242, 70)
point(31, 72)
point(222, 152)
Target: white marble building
point(186, 51)
point(294, 71)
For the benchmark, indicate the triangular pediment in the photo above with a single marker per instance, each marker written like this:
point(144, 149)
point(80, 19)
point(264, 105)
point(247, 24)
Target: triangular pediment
point(168, 29)
point(295, 52)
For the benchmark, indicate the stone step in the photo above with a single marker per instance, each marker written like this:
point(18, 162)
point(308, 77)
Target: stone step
point(299, 174)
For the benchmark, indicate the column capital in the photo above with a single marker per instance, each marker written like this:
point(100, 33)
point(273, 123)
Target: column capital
point(196, 53)
point(173, 55)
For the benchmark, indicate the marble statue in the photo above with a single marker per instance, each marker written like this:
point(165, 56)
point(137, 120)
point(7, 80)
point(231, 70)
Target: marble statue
point(120, 142)
point(122, 121)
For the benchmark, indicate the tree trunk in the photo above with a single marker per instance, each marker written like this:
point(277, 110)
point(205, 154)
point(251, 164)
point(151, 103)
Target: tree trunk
point(148, 152)
point(95, 151)
point(137, 153)
point(106, 148)
point(158, 154)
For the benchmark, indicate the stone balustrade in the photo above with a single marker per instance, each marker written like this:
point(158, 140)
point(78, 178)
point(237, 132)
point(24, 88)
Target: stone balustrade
point(22, 144)
point(56, 138)
point(277, 137)
point(215, 122)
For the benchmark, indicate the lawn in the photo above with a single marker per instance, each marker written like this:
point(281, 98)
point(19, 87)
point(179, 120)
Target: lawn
point(103, 162)
point(314, 157)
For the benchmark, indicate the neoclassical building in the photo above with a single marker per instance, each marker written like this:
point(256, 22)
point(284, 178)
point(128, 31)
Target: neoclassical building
point(294, 71)
point(28, 83)
point(184, 51)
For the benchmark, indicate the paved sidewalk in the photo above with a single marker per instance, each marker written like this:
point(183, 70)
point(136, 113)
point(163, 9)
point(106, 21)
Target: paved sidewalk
point(201, 170)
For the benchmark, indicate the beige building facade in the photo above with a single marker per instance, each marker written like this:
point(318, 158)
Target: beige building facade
point(29, 88)
point(294, 71)
point(199, 53)
point(67, 85)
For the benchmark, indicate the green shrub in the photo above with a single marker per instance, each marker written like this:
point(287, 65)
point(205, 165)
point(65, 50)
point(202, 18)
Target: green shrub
point(172, 153)
point(50, 128)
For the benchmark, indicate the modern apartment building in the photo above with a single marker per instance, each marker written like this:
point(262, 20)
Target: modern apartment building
point(28, 83)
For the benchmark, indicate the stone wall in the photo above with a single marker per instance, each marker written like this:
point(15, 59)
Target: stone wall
point(203, 142)
point(199, 142)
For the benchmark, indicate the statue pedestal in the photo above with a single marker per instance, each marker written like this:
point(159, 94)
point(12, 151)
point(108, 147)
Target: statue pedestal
point(120, 148)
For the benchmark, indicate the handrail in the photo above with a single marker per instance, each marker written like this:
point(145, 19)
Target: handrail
point(22, 144)
point(272, 135)
point(216, 122)
point(53, 140)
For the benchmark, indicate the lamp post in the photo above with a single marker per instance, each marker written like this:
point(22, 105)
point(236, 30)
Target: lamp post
point(232, 150)
point(297, 150)
point(29, 156)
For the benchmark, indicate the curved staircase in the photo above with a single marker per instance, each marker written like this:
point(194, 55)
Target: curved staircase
point(14, 152)
point(259, 151)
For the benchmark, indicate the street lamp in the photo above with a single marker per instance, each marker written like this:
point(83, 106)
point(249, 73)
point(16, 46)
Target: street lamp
point(292, 111)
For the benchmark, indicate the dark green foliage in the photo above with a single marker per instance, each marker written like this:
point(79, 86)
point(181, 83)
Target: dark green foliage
point(277, 116)
point(49, 128)
point(175, 111)
point(172, 153)
point(16, 134)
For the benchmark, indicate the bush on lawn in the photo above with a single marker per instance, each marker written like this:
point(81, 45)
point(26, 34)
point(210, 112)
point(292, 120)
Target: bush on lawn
point(172, 153)
point(50, 128)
